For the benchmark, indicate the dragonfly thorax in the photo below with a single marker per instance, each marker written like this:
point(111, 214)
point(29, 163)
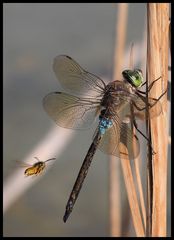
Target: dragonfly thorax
point(115, 92)
point(108, 98)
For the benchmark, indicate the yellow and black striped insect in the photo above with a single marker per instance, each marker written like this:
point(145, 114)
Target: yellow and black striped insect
point(36, 168)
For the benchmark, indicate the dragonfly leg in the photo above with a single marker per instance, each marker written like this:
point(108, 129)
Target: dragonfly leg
point(138, 108)
point(150, 105)
point(150, 86)
point(136, 126)
point(141, 91)
point(143, 83)
point(157, 99)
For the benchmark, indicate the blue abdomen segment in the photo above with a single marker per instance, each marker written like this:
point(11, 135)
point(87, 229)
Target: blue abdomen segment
point(104, 125)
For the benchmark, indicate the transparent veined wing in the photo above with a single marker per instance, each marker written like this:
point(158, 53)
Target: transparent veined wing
point(69, 111)
point(130, 141)
point(117, 134)
point(75, 79)
point(110, 140)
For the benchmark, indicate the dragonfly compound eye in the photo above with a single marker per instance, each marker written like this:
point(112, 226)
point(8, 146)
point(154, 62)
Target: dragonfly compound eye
point(135, 78)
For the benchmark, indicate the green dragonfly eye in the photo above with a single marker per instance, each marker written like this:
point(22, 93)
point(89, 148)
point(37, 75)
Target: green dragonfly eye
point(135, 77)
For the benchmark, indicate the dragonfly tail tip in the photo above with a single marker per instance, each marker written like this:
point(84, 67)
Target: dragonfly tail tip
point(65, 217)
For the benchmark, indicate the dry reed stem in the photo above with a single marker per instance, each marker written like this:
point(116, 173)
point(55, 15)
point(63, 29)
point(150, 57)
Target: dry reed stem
point(157, 60)
point(131, 193)
point(115, 198)
point(121, 28)
point(138, 160)
point(140, 190)
point(127, 172)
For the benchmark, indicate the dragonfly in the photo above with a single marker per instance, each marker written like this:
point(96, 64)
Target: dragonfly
point(36, 168)
point(87, 99)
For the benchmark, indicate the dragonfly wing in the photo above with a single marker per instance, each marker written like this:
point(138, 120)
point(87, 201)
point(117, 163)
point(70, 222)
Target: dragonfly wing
point(75, 79)
point(69, 111)
point(130, 141)
point(117, 134)
point(110, 140)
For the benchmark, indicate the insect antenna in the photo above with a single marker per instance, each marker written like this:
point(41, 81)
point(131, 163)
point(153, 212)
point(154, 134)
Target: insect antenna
point(50, 159)
point(131, 57)
point(37, 159)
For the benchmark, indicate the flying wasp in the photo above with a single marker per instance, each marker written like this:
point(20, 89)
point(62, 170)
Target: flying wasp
point(36, 168)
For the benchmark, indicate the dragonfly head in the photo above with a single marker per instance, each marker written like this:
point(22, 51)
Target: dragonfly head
point(134, 77)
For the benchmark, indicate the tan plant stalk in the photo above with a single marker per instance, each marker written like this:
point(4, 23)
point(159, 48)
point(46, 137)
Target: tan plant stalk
point(138, 160)
point(157, 65)
point(115, 198)
point(127, 171)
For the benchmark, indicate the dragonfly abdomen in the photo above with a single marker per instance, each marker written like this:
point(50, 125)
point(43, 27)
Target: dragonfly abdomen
point(104, 125)
point(81, 176)
point(105, 121)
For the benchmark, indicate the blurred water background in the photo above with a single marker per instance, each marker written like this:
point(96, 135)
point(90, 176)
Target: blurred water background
point(33, 34)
